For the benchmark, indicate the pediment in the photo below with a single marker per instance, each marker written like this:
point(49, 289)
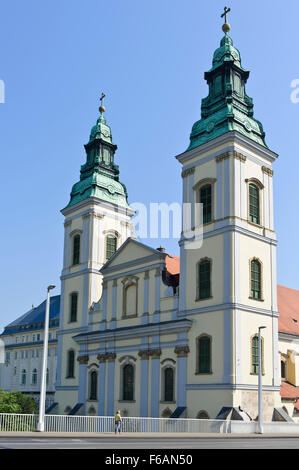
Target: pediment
point(132, 251)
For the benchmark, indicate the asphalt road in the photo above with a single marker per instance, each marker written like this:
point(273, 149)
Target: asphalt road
point(150, 443)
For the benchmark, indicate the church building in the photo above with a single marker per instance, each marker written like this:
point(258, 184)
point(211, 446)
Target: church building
point(154, 335)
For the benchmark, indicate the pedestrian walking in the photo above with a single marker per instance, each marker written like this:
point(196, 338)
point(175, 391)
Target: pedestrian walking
point(118, 421)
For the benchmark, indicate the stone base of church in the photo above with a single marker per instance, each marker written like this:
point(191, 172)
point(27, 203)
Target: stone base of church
point(212, 401)
point(248, 401)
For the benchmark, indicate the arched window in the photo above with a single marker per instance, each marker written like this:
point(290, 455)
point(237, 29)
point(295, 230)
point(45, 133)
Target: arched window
point(202, 415)
point(74, 307)
point(34, 377)
point(204, 279)
point(111, 243)
point(128, 382)
point(205, 197)
point(168, 384)
point(166, 413)
point(93, 385)
point(130, 296)
point(254, 204)
point(24, 377)
point(204, 354)
point(255, 273)
point(70, 364)
point(131, 299)
point(255, 354)
point(92, 411)
point(76, 249)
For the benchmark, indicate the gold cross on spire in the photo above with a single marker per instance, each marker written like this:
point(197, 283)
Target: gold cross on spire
point(226, 26)
point(102, 108)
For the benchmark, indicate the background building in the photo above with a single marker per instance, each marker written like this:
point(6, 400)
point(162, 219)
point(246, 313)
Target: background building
point(23, 341)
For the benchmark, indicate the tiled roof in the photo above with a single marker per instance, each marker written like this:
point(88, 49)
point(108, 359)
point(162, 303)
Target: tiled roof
point(172, 264)
point(289, 391)
point(35, 316)
point(288, 307)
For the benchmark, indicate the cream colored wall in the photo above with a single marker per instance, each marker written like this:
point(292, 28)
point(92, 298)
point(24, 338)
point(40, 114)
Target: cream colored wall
point(212, 248)
point(249, 249)
point(250, 323)
point(212, 324)
point(65, 398)
point(69, 343)
point(210, 401)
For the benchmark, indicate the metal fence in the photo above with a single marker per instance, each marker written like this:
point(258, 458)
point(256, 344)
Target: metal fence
point(105, 424)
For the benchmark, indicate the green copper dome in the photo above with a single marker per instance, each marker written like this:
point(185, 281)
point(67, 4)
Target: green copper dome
point(226, 52)
point(101, 131)
point(99, 176)
point(227, 107)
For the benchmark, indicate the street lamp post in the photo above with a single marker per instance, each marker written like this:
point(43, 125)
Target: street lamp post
point(42, 398)
point(260, 391)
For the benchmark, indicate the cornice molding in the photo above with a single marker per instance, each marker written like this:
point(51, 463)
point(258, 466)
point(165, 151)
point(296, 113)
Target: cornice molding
point(233, 154)
point(187, 172)
point(182, 351)
point(267, 170)
point(83, 359)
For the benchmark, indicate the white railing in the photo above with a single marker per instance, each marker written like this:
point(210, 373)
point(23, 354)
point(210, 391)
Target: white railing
point(18, 422)
point(56, 423)
point(105, 424)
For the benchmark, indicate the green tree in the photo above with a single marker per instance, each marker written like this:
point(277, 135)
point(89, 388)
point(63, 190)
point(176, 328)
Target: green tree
point(16, 402)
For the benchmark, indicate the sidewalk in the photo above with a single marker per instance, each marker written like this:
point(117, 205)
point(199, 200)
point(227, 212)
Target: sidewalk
point(139, 435)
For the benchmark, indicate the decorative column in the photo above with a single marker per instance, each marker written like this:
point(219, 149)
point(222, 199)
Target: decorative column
point(182, 353)
point(144, 356)
point(83, 361)
point(104, 318)
point(67, 245)
point(101, 384)
point(238, 161)
point(85, 238)
point(156, 315)
point(219, 188)
point(145, 316)
point(110, 390)
point(155, 382)
point(114, 305)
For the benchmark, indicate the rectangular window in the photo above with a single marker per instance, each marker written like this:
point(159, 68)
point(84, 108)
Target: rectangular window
point(76, 249)
point(204, 280)
point(204, 347)
point(255, 279)
point(74, 306)
point(255, 355)
point(206, 200)
point(254, 209)
point(110, 247)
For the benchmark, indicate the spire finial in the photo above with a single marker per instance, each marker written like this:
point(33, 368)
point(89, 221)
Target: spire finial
point(226, 26)
point(102, 108)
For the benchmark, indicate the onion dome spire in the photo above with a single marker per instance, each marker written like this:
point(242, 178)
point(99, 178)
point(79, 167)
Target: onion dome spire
point(99, 176)
point(227, 107)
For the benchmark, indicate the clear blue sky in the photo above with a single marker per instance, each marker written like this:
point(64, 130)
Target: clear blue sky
point(149, 57)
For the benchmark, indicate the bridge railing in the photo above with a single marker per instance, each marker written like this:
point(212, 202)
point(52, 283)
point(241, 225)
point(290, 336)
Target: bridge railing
point(105, 424)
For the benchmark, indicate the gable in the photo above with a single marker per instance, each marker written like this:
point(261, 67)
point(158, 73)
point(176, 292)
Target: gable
point(131, 253)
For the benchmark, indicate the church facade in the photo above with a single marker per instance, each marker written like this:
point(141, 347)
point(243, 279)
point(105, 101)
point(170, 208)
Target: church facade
point(155, 335)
